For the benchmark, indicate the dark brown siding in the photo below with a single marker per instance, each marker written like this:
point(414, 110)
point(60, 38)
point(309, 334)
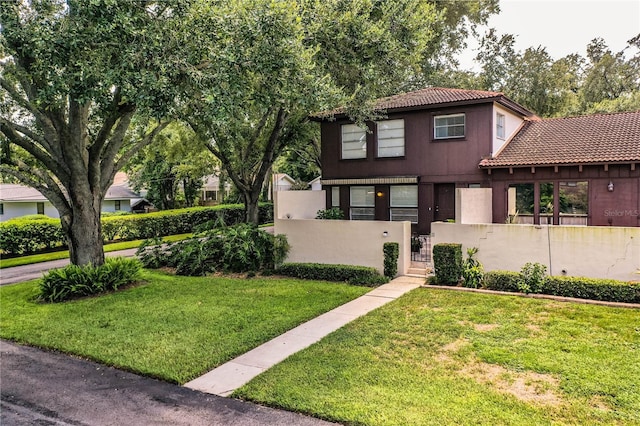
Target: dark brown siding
point(449, 160)
point(618, 208)
point(452, 161)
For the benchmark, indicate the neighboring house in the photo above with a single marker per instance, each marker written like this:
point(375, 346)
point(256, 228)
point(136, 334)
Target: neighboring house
point(280, 182)
point(19, 200)
point(432, 141)
point(210, 194)
point(316, 184)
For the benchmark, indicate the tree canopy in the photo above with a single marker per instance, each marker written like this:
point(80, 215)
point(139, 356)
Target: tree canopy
point(74, 74)
point(272, 64)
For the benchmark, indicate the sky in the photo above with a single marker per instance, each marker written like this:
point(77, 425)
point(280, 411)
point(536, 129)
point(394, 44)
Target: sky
point(563, 26)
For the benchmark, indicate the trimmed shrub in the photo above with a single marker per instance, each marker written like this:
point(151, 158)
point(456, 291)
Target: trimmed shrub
point(20, 236)
point(172, 222)
point(592, 288)
point(578, 287)
point(74, 281)
point(447, 263)
point(391, 251)
point(239, 248)
point(356, 275)
point(502, 281)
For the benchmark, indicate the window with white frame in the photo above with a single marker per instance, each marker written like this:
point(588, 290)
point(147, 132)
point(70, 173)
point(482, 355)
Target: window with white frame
point(117, 205)
point(362, 202)
point(391, 138)
point(354, 142)
point(499, 125)
point(404, 203)
point(335, 196)
point(448, 126)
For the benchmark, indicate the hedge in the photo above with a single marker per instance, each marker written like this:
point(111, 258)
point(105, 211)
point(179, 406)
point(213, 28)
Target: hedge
point(579, 287)
point(391, 252)
point(447, 263)
point(28, 236)
point(592, 288)
point(18, 236)
point(356, 275)
point(502, 281)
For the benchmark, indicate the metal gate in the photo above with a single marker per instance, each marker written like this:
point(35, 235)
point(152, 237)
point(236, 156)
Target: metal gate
point(421, 248)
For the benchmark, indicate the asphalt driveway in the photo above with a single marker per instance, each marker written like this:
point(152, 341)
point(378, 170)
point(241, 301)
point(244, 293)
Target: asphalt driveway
point(46, 388)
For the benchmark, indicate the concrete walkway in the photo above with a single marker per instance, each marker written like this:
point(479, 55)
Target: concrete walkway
point(239, 371)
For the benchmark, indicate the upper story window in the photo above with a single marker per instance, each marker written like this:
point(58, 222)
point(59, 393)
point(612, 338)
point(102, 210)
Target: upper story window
point(448, 126)
point(499, 125)
point(354, 142)
point(391, 138)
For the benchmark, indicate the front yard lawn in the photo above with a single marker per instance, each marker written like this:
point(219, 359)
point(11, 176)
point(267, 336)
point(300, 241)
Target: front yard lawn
point(437, 357)
point(174, 328)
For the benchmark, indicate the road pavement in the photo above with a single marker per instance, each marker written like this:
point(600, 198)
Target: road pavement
point(18, 274)
point(47, 388)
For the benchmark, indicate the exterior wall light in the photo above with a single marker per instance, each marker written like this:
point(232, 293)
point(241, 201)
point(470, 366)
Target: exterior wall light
point(610, 186)
point(385, 234)
point(379, 194)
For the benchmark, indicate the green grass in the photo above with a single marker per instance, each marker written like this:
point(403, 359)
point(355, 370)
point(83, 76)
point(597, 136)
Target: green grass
point(437, 357)
point(173, 328)
point(63, 254)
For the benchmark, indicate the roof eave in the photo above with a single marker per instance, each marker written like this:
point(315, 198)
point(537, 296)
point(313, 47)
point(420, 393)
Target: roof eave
point(572, 164)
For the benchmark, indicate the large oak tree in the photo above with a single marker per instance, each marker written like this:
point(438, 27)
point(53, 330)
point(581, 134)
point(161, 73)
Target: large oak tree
point(74, 74)
point(273, 63)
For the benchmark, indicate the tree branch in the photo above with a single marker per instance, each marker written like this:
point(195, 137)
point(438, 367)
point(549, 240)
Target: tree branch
point(57, 167)
point(27, 132)
point(124, 159)
point(256, 134)
point(47, 124)
point(270, 149)
point(46, 185)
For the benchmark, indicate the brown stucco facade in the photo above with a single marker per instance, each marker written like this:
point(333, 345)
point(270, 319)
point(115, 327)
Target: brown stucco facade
point(599, 154)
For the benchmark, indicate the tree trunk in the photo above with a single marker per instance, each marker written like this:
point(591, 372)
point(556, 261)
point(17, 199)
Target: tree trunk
point(252, 210)
point(83, 230)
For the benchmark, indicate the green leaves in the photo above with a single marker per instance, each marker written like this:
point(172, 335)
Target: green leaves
point(73, 281)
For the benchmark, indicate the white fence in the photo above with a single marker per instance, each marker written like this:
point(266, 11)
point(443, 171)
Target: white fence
point(588, 251)
point(336, 241)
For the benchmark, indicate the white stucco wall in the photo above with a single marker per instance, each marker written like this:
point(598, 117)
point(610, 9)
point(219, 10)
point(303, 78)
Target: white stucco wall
point(512, 124)
point(594, 251)
point(474, 205)
point(299, 204)
point(345, 242)
point(336, 241)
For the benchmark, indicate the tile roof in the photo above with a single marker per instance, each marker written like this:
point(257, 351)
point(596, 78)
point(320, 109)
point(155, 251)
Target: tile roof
point(600, 138)
point(432, 96)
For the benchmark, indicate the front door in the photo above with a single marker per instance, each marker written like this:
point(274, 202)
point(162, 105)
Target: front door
point(444, 202)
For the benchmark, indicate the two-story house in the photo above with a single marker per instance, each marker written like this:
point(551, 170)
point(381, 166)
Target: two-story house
point(432, 141)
